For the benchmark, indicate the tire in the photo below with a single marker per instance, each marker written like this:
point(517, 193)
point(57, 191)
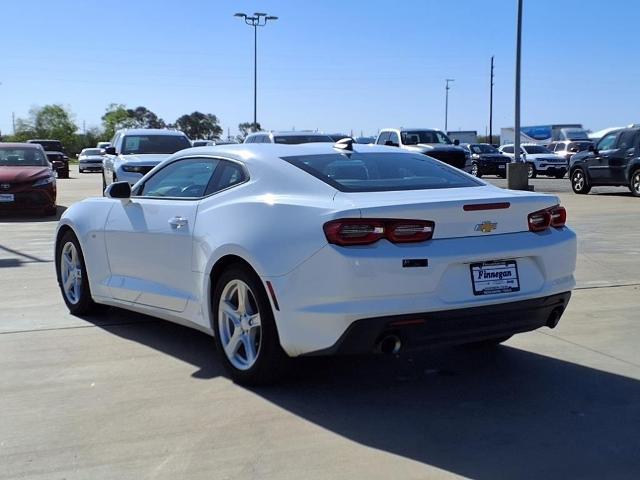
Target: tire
point(64, 174)
point(475, 170)
point(51, 211)
point(579, 182)
point(634, 183)
point(78, 298)
point(80, 170)
point(488, 343)
point(265, 362)
point(531, 172)
point(104, 184)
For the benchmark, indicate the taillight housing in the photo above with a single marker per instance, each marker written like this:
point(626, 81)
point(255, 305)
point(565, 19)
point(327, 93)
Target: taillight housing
point(541, 220)
point(365, 231)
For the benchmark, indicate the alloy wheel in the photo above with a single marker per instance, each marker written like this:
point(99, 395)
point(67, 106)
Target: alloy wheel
point(474, 169)
point(529, 170)
point(239, 325)
point(578, 180)
point(71, 272)
point(635, 183)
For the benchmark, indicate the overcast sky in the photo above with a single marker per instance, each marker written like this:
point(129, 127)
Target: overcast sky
point(333, 65)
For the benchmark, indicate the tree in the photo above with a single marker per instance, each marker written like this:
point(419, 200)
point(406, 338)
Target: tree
point(51, 122)
point(116, 117)
point(198, 125)
point(145, 118)
point(248, 127)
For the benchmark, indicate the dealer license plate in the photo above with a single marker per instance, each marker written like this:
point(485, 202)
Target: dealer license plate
point(501, 166)
point(499, 276)
point(6, 197)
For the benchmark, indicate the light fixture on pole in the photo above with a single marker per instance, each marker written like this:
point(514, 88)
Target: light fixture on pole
point(446, 102)
point(258, 19)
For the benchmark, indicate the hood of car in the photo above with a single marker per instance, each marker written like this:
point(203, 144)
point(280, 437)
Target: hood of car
point(90, 157)
point(22, 174)
point(146, 159)
point(542, 156)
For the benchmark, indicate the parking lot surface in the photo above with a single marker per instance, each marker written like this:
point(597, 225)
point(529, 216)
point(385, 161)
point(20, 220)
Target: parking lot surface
point(128, 396)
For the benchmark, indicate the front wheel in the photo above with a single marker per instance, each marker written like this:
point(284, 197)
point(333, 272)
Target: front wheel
point(634, 183)
point(72, 275)
point(579, 182)
point(531, 170)
point(475, 170)
point(244, 328)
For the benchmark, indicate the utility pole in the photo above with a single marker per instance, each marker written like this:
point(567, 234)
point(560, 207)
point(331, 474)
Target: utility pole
point(257, 20)
point(84, 128)
point(491, 104)
point(13, 121)
point(446, 102)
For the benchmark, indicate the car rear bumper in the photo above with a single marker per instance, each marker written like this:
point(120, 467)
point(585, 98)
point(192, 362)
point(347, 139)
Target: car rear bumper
point(451, 327)
point(338, 287)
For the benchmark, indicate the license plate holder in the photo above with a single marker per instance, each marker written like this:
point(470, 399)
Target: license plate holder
point(496, 276)
point(6, 197)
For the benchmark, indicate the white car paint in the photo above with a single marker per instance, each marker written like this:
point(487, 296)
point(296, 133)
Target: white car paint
point(274, 221)
point(544, 163)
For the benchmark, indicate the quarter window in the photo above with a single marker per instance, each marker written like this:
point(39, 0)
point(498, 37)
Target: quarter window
point(227, 175)
point(626, 139)
point(393, 136)
point(186, 178)
point(608, 141)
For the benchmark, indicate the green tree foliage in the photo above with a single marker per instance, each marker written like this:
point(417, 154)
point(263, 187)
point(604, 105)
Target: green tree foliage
point(198, 125)
point(145, 118)
point(49, 122)
point(116, 117)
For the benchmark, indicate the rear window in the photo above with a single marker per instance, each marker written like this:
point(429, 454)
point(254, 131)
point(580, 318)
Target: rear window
point(381, 172)
point(297, 139)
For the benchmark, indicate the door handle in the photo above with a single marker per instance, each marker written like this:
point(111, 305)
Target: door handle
point(178, 222)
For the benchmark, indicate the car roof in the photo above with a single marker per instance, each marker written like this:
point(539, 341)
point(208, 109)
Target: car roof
point(293, 133)
point(36, 146)
point(403, 129)
point(151, 131)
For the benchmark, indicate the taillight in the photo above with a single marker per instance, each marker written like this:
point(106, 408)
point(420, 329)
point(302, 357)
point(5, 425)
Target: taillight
point(555, 216)
point(364, 231)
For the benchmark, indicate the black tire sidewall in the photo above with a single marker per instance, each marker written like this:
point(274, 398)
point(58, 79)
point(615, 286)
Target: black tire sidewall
point(633, 174)
point(271, 358)
point(85, 304)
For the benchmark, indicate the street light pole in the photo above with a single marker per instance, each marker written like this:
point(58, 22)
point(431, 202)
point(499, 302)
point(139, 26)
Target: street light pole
point(491, 104)
point(256, 20)
point(446, 103)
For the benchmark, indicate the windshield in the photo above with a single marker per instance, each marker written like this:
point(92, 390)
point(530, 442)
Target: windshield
point(298, 139)
point(483, 148)
point(381, 172)
point(149, 144)
point(578, 146)
point(22, 157)
point(414, 137)
point(536, 149)
point(92, 151)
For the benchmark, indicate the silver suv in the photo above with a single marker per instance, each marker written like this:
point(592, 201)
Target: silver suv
point(288, 138)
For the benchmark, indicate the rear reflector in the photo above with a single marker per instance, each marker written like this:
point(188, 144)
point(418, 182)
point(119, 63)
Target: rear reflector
point(485, 206)
point(541, 220)
point(364, 231)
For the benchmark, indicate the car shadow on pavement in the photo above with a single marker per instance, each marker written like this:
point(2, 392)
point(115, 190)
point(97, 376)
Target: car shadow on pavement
point(501, 413)
point(37, 217)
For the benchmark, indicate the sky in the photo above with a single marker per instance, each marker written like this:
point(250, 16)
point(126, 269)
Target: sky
point(331, 65)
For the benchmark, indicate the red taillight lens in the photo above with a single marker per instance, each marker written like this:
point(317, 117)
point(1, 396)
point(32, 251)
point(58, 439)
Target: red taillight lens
point(555, 216)
point(364, 231)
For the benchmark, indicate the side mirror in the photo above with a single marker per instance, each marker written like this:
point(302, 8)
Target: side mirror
point(110, 150)
point(456, 142)
point(118, 190)
point(592, 148)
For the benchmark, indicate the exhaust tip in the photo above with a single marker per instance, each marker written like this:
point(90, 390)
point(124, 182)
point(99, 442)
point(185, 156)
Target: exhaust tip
point(554, 317)
point(390, 344)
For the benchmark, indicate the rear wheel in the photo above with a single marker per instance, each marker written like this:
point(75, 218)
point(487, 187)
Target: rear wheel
point(634, 183)
point(51, 211)
point(72, 275)
point(579, 182)
point(475, 170)
point(244, 327)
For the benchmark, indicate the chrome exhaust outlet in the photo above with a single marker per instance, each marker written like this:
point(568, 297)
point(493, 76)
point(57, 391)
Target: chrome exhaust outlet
point(390, 344)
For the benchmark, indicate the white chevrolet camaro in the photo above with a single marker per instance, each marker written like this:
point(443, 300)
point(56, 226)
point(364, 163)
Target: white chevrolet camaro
point(280, 251)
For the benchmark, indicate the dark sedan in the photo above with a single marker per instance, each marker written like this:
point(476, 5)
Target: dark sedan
point(486, 160)
point(27, 180)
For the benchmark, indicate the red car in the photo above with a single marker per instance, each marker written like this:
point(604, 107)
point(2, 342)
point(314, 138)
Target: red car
point(27, 179)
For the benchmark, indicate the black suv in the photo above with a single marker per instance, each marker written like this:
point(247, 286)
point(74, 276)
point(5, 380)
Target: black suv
point(486, 160)
point(56, 155)
point(614, 161)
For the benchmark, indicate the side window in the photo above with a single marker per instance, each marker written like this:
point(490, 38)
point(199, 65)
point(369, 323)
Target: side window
point(227, 175)
point(187, 178)
point(626, 139)
point(383, 137)
point(608, 141)
point(250, 140)
point(393, 136)
point(508, 150)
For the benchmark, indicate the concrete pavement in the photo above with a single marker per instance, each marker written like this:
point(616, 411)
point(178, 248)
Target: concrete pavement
point(127, 396)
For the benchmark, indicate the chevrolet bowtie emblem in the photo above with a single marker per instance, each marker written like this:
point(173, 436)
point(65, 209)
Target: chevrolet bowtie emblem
point(486, 227)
